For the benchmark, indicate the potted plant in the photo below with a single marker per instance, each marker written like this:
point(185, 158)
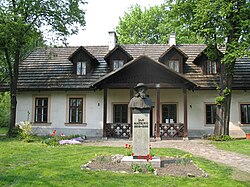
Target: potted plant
point(248, 135)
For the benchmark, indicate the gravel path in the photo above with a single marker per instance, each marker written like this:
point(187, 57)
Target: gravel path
point(201, 148)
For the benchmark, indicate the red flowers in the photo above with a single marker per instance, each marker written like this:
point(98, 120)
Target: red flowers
point(128, 146)
point(54, 133)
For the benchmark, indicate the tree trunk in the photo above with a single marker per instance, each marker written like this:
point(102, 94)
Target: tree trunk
point(13, 92)
point(223, 108)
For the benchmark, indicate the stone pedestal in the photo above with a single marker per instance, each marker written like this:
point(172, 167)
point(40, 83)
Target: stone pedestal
point(141, 136)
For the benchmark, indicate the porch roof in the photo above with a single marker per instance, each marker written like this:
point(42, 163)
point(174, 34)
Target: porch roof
point(146, 70)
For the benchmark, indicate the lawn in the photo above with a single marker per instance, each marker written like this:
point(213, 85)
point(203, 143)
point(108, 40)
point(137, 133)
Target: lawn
point(238, 146)
point(36, 164)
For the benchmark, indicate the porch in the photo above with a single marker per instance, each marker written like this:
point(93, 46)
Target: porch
point(124, 130)
point(168, 118)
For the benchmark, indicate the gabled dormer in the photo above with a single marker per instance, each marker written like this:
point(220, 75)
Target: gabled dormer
point(117, 57)
point(83, 61)
point(174, 58)
point(208, 67)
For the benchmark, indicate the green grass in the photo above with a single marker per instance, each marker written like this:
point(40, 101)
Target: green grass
point(3, 130)
point(36, 164)
point(238, 146)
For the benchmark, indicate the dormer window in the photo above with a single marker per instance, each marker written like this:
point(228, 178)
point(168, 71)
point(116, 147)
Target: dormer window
point(117, 57)
point(174, 65)
point(117, 64)
point(83, 62)
point(211, 67)
point(174, 58)
point(81, 68)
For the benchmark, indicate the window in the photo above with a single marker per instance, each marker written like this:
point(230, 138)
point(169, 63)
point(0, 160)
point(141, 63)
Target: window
point(120, 113)
point(211, 67)
point(210, 113)
point(245, 113)
point(174, 65)
point(81, 68)
point(117, 64)
point(41, 110)
point(75, 110)
point(169, 113)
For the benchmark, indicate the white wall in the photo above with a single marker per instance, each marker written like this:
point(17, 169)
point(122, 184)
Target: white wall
point(94, 108)
point(93, 111)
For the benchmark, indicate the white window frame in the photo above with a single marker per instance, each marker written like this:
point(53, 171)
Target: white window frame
point(247, 121)
point(211, 104)
point(68, 121)
point(211, 67)
point(117, 64)
point(81, 68)
point(34, 117)
point(174, 65)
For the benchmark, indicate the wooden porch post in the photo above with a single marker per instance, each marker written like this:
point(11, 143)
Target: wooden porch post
point(105, 94)
point(158, 103)
point(185, 113)
point(130, 111)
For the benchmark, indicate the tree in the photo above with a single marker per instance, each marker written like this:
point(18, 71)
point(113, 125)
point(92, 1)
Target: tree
point(222, 23)
point(20, 26)
point(152, 26)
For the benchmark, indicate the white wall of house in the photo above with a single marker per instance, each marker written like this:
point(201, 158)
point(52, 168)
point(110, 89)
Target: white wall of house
point(197, 101)
point(57, 112)
point(94, 109)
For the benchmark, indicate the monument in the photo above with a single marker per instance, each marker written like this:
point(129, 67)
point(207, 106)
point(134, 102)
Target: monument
point(141, 106)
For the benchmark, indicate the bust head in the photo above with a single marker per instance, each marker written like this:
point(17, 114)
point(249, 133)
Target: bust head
point(141, 89)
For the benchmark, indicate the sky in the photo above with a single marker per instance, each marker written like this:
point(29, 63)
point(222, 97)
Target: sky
point(101, 17)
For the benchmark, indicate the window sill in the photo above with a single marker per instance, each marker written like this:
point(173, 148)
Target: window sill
point(244, 125)
point(209, 125)
point(41, 124)
point(75, 124)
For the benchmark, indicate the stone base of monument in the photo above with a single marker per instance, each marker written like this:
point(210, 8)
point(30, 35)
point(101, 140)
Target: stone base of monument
point(129, 160)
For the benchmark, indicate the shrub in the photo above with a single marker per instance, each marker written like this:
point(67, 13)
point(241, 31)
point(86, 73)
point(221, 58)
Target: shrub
point(220, 138)
point(136, 168)
point(4, 109)
point(25, 130)
point(149, 168)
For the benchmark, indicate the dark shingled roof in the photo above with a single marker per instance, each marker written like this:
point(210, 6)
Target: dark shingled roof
point(50, 69)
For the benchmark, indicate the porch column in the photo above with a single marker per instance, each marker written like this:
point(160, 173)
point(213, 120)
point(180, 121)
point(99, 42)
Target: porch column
point(130, 112)
point(158, 103)
point(105, 98)
point(185, 113)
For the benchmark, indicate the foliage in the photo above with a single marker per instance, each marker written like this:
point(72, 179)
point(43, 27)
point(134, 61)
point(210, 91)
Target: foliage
point(25, 130)
point(53, 140)
point(128, 150)
point(136, 168)
point(220, 138)
point(152, 26)
point(149, 168)
point(21, 25)
point(3, 130)
point(185, 159)
point(4, 109)
point(221, 23)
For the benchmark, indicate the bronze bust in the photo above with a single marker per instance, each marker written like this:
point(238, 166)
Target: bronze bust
point(141, 100)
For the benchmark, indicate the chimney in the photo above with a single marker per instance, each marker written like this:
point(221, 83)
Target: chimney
point(112, 40)
point(172, 39)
